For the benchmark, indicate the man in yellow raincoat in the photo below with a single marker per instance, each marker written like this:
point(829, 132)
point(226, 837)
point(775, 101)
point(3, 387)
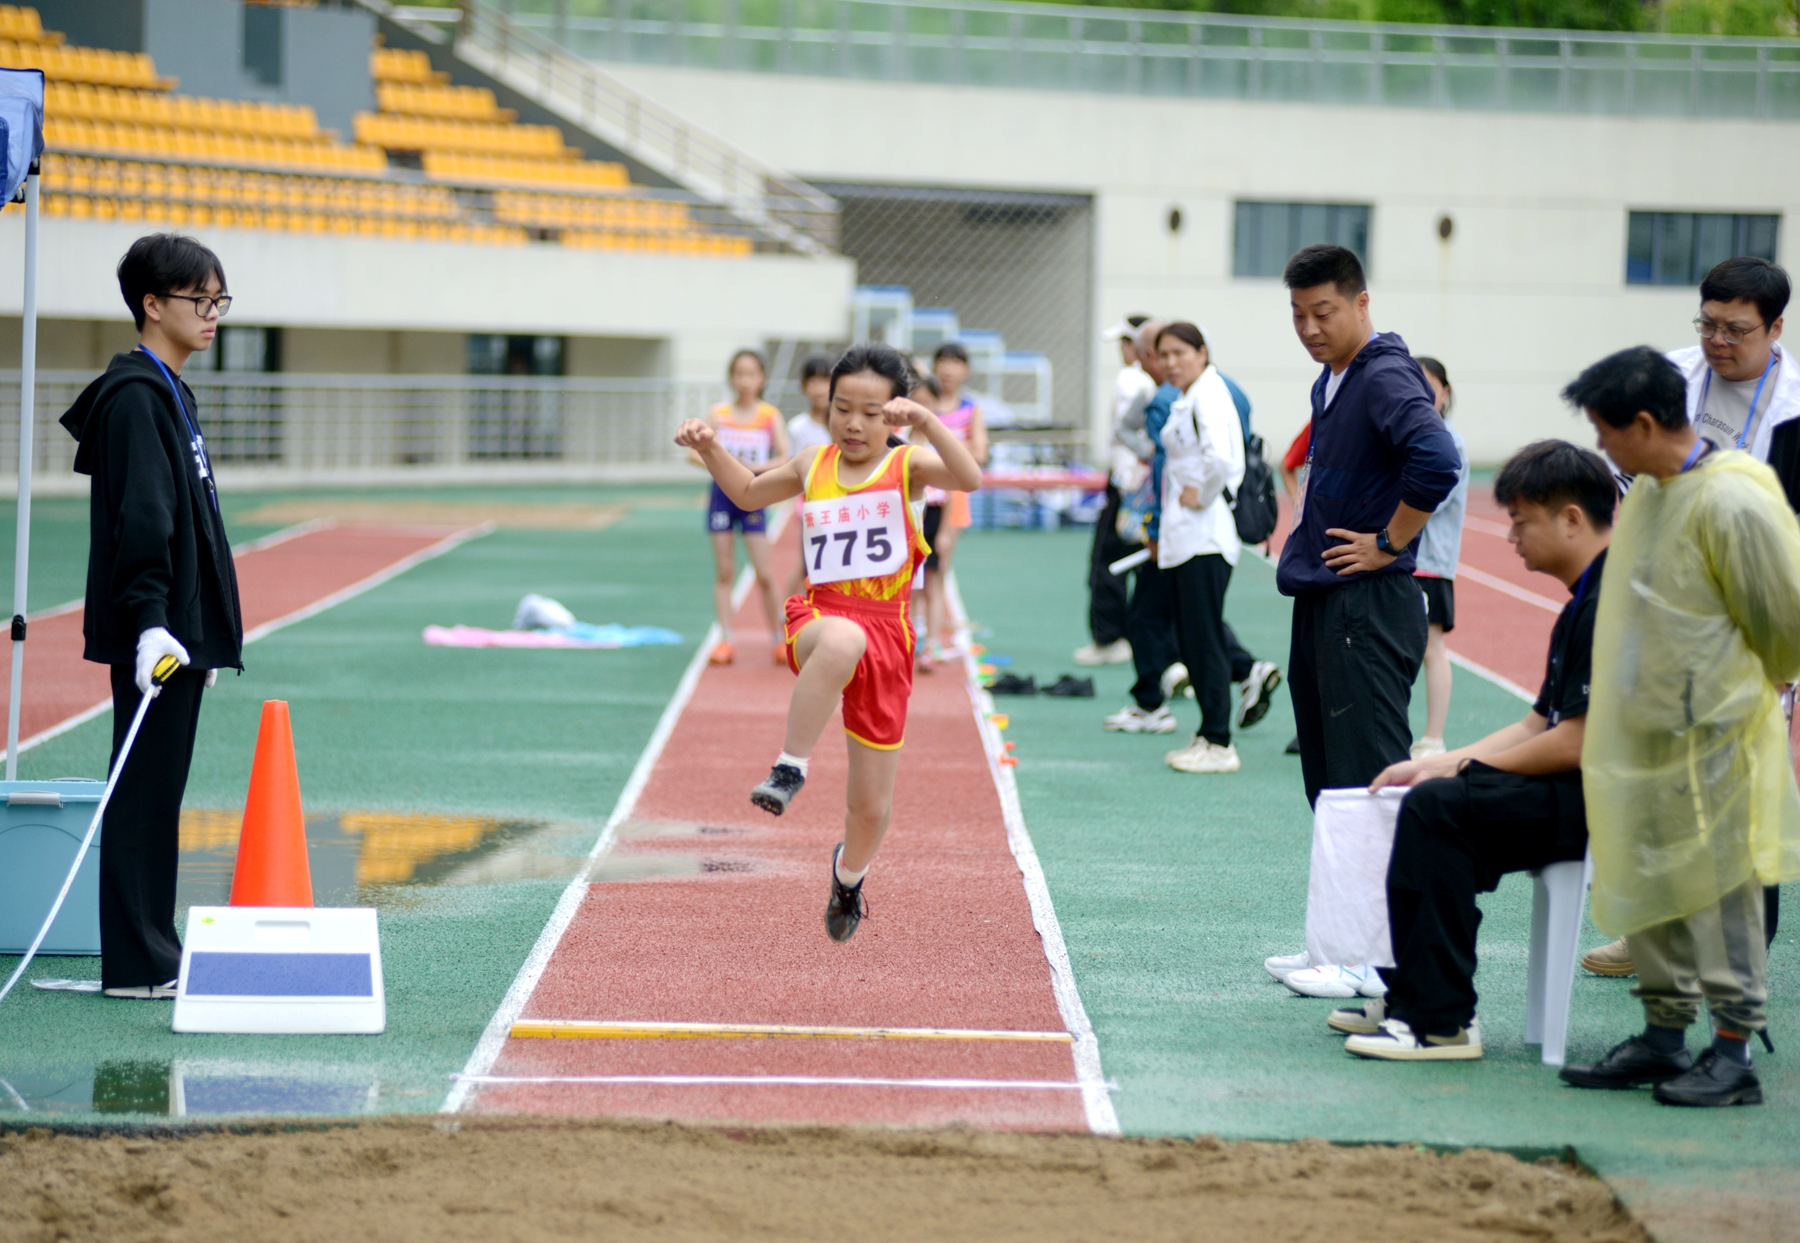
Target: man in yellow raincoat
point(1690, 792)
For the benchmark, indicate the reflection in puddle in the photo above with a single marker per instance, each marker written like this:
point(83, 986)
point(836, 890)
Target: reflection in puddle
point(191, 1088)
point(362, 858)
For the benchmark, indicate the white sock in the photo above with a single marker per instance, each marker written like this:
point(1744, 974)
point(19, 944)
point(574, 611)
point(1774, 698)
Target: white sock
point(846, 877)
point(792, 761)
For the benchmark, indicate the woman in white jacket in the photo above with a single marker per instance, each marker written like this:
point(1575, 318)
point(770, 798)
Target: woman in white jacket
point(1197, 545)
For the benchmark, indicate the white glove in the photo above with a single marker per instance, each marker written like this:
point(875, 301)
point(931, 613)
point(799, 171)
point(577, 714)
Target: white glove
point(212, 678)
point(154, 644)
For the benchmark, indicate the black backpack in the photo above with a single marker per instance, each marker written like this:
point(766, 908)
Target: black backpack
point(1254, 507)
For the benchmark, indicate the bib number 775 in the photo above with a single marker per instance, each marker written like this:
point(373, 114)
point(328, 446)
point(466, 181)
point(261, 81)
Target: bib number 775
point(862, 535)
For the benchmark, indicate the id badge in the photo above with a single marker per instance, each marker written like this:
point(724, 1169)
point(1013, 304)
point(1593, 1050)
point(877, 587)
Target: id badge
point(749, 447)
point(857, 536)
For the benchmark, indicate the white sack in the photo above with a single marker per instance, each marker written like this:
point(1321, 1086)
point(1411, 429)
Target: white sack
point(1346, 895)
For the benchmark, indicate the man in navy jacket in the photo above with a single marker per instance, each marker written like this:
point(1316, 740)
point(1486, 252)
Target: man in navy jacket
point(1381, 462)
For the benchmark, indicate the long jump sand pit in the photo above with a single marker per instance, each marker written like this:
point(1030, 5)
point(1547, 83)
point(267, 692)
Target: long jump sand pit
point(502, 1178)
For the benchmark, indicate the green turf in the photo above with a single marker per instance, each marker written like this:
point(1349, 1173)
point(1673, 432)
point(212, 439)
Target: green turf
point(384, 723)
point(1172, 888)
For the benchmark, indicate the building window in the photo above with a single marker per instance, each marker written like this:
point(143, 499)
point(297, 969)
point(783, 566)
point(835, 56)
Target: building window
point(1269, 233)
point(1681, 247)
point(492, 354)
point(241, 348)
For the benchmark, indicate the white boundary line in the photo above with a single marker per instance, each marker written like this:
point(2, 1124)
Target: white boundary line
point(1496, 583)
point(280, 623)
point(1095, 1090)
point(499, 1027)
point(1503, 682)
point(794, 1081)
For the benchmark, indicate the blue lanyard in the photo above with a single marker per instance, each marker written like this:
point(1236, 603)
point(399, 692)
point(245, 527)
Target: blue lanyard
point(202, 461)
point(1700, 443)
point(1706, 387)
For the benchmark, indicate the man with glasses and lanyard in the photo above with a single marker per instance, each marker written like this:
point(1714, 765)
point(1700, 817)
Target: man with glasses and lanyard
point(1742, 393)
point(160, 583)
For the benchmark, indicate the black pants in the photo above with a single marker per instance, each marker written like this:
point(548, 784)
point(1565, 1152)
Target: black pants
point(1150, 625)
point(1107, 605)
point(1356, 653)
point(1457, 837)
point(1199, 592)
point(140, 838)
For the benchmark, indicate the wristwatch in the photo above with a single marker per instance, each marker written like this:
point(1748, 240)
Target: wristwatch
point(1386, 545)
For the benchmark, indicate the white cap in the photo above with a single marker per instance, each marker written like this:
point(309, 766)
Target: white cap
point(1121, 331)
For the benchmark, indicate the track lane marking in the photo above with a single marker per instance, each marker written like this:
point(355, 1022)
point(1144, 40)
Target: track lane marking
point(499, 1028)
point(585, 1029)
point(790, 1081)
point(1465, 570)
point(1096, 1092)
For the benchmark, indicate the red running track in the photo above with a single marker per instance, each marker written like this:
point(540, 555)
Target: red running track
point(708, 910)
point(277, 578)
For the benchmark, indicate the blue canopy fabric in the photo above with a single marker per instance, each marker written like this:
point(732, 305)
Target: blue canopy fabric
point(21, 126)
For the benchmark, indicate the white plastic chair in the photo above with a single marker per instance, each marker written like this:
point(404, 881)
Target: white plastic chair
point(1557, 905)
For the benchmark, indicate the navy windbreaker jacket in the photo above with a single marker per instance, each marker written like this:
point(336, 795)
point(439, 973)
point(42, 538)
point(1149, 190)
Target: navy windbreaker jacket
point(1379, 443)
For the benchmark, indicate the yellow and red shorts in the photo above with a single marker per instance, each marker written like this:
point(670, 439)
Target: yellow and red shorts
point(875, 697)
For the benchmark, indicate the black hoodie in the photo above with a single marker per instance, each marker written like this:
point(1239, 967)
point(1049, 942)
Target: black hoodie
point(157, 553)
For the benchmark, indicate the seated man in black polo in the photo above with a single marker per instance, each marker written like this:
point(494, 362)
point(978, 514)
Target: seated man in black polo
point(1508, 803)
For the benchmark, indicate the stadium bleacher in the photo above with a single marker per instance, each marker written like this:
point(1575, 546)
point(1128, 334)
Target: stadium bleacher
point(121, 145)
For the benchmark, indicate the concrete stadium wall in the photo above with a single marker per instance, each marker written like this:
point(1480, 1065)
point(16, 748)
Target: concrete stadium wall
point(1529, 289)
point(359, 304)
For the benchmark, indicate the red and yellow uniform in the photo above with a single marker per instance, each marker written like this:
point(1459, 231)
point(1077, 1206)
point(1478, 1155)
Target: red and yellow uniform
point(862, 551)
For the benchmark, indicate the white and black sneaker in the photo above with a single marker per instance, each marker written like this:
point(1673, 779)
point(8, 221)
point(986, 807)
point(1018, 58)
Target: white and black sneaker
point(1363, 1020)
point(845, 909)
point(1395, 1041)
point(144, 992)
point(778, 789)
point(1258, 693)
point(1132, 719)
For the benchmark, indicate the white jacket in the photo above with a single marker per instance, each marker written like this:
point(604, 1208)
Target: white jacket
point(1783, 403)
point(1204, 444)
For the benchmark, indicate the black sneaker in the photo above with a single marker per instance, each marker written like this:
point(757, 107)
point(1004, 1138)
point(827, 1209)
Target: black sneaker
point(1714, 1080)
point(778, 789)
point(1013, 684)
point(845, 909)
point(1258, 694)
point(1070, 687)
point(1293, 747)
point(1631, 1064)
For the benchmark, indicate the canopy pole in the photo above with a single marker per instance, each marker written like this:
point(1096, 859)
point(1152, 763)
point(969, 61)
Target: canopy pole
point(27, 421)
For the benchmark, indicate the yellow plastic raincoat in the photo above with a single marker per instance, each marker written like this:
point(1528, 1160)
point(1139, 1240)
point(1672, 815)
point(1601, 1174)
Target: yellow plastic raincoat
point(1685, 765)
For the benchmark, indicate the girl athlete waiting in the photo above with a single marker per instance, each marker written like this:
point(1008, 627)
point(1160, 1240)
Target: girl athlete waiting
point(947, 513)
point(750, 430)
point(1440, 550)
point(811, 430)
point(848, 636)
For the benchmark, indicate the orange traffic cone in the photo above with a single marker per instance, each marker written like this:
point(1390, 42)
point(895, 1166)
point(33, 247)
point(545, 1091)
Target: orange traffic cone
point(272, 869)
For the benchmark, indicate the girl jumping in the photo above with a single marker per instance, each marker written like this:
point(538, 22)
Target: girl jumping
point(749, 430)
point(848, 638)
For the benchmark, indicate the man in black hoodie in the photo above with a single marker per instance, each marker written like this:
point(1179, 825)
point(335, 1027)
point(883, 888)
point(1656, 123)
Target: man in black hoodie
point(1381, 463)
point(160, 583)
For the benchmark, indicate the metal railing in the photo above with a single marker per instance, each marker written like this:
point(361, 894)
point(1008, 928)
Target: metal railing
point(340, 427)
point(533, 64)
point(1057, 47)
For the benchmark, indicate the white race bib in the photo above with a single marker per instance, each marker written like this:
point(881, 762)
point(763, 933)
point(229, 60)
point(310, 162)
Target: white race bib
point(749, 446)
point(862, 535)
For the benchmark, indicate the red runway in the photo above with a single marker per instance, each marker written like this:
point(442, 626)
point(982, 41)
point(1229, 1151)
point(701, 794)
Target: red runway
point(278, 580)
point(708, 910)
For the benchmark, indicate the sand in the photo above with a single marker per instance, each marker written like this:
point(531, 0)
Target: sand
point(516, 1179)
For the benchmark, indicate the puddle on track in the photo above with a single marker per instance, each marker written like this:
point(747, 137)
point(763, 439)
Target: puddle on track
point(192, 1088)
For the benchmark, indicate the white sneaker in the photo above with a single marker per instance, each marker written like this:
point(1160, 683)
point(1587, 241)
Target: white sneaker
point(1363, 1020)
point(1395, 1041)
point(1258, 693)
point(1283, 965)
point(1175, 682)
point(1427, 747)
point(144, 992)
point(1117, 652)
point(1204, 757)
point(1338, 982)
point(1132, 719)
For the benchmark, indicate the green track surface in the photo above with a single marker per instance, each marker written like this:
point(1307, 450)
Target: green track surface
point(384, 723)
point(1172, 888)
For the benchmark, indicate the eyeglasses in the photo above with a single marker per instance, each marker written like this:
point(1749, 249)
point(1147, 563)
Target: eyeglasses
point(1730, 334)
point(205, 307)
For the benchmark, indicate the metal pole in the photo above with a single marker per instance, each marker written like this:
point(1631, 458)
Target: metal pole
point(27, 418)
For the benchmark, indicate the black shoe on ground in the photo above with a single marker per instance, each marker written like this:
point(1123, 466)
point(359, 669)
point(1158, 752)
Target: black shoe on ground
point(1013, 684)
point(1630, 1064)
point(778, 789)
point(845, 909)
point(1293, 747)
point(1069, 686)
point(1714, 1080)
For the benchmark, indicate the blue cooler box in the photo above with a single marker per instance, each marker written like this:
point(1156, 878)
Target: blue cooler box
point(41, 825)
